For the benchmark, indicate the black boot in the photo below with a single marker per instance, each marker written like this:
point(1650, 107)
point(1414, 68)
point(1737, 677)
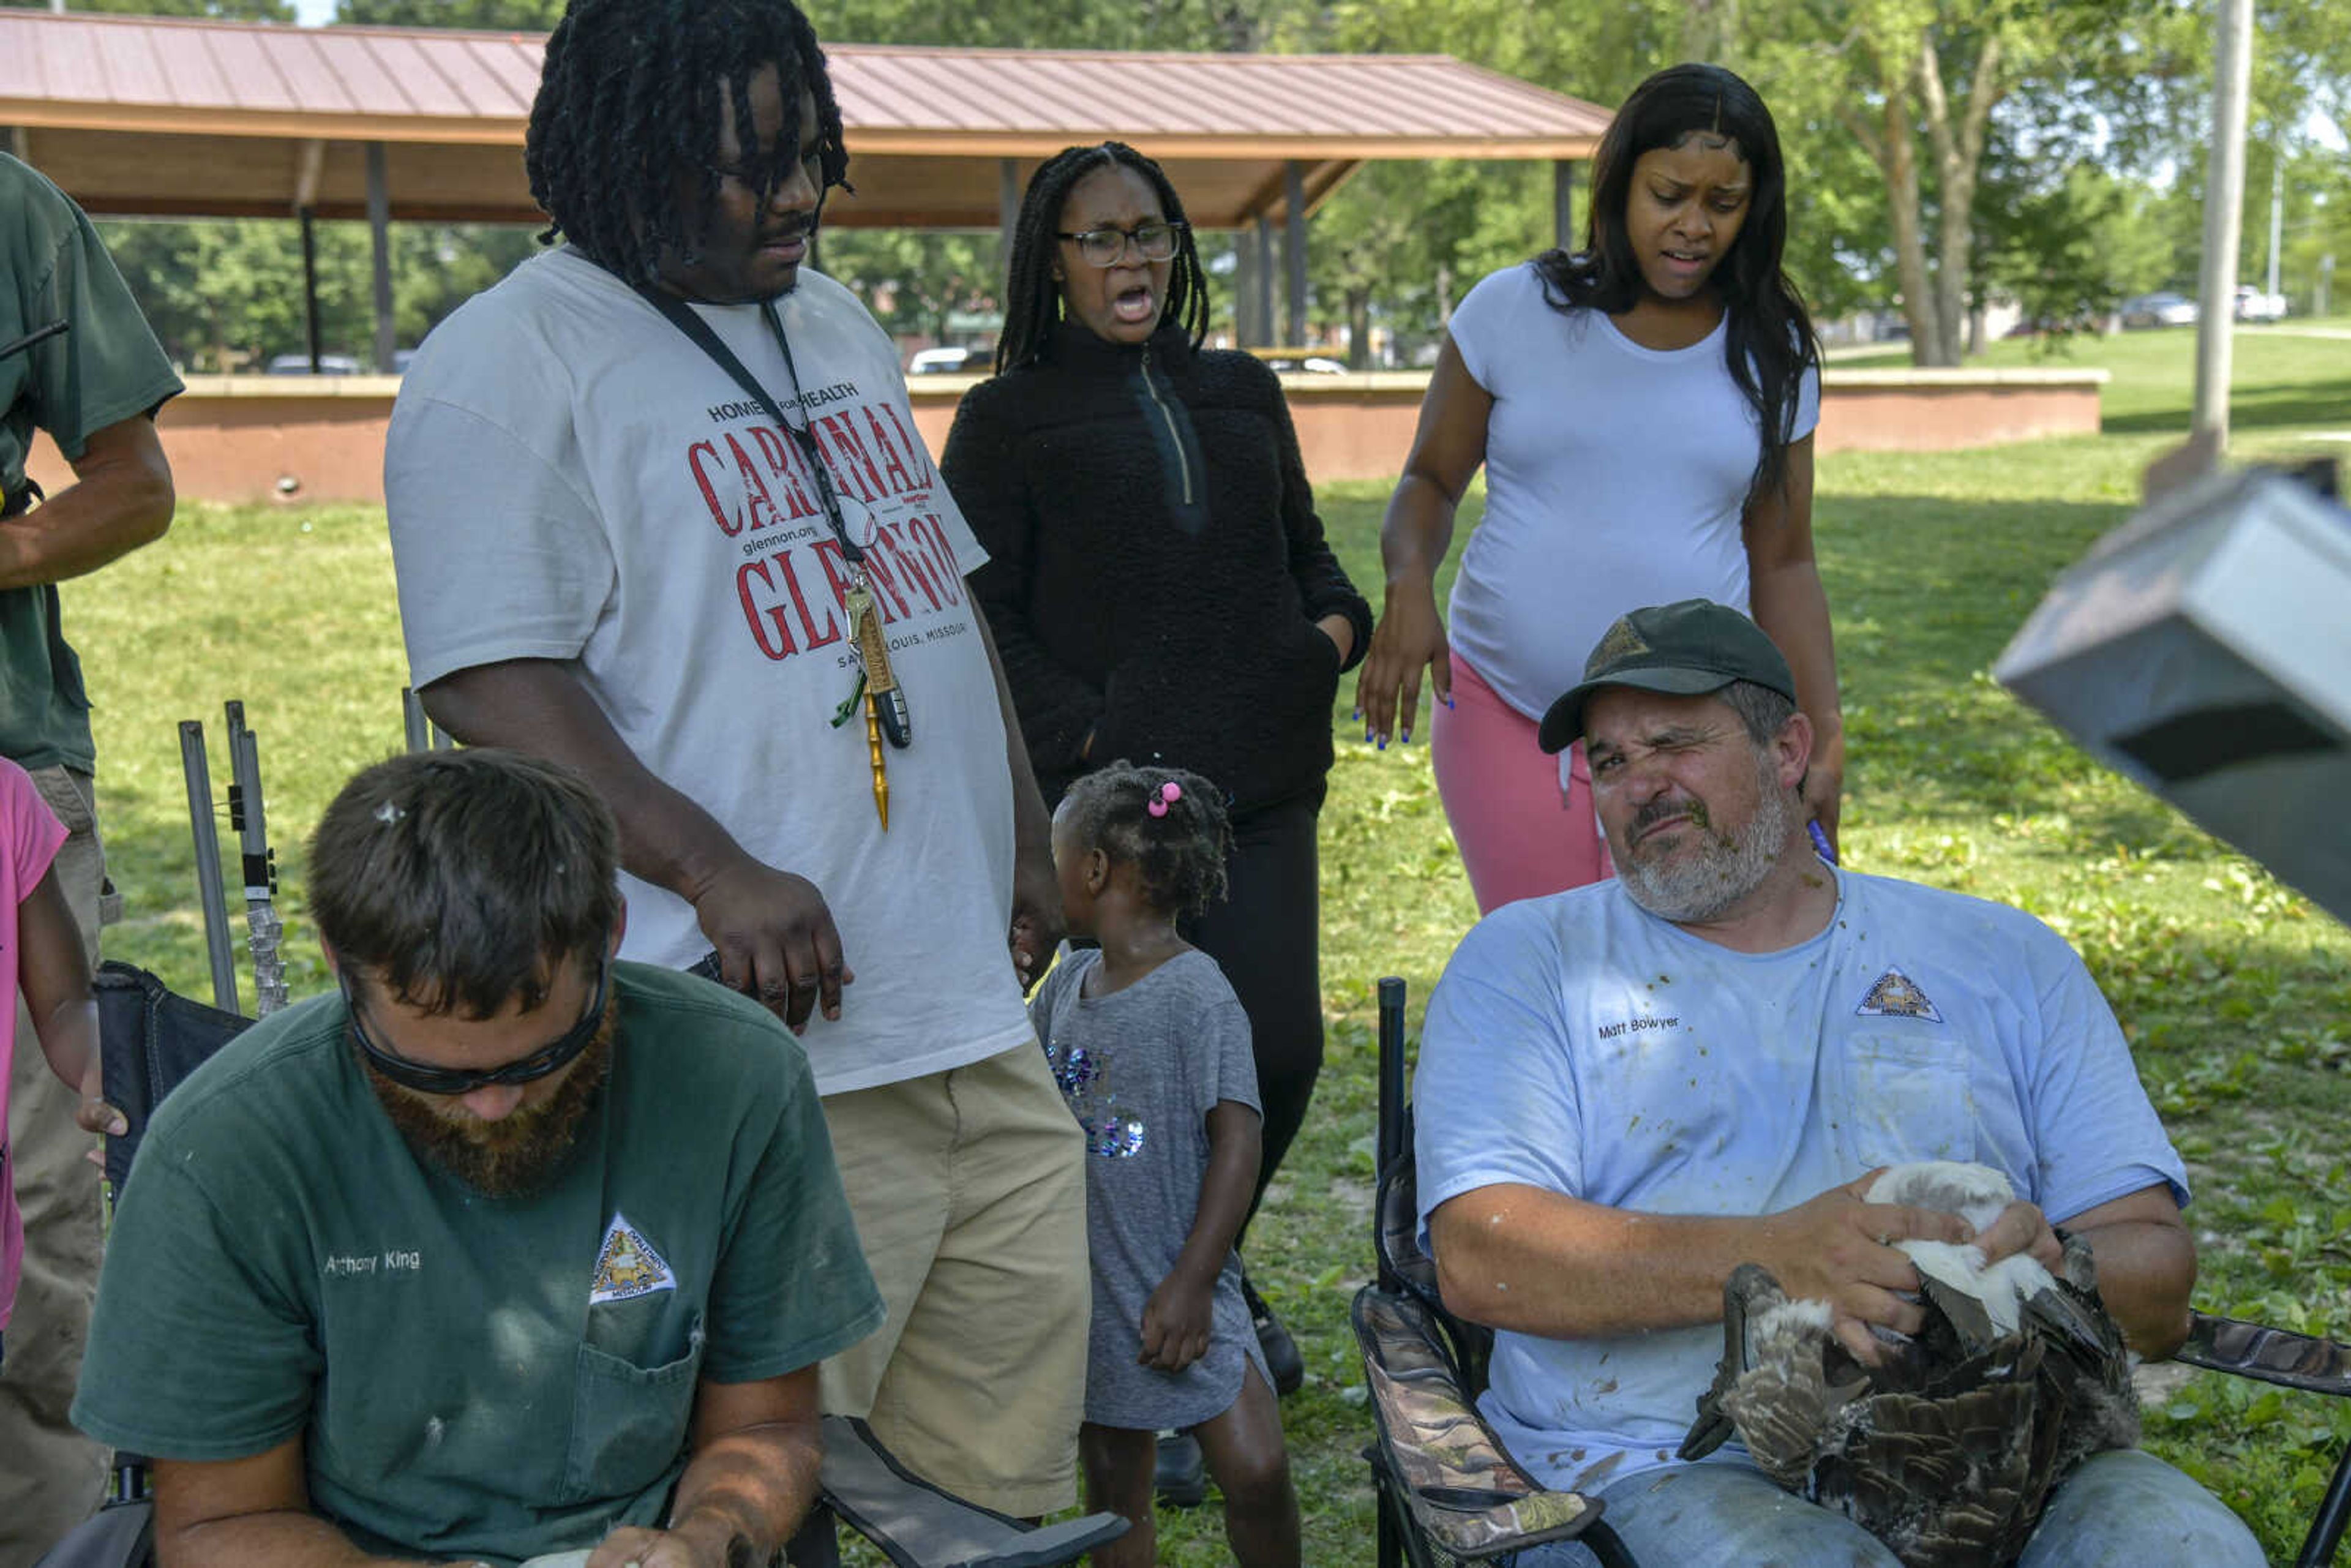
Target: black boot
point(816, 1544)
point(1282, 1357)
point(1181, 1478)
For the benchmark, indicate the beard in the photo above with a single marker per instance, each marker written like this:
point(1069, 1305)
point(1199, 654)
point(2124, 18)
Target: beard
point(517, 1155)
point(1720, 870)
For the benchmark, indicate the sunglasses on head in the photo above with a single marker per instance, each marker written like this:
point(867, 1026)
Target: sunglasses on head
point(429, 1079)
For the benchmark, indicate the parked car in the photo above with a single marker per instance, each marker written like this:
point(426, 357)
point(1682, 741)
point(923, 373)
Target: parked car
point(2161, 310)
point(945, 362)
point(2253, 305)
point(329, 365)
point(1291, 364)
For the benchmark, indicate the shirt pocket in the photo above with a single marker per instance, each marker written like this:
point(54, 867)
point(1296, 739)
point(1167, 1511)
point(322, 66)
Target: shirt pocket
point(628, 1422)
point(1906, 1096)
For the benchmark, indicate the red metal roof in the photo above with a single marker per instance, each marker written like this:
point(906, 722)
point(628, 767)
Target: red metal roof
point(133, 72)
point(114, 76)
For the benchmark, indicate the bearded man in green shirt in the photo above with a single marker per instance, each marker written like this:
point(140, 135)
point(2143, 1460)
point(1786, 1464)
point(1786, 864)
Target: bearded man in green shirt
point(77, 360)
point(507, 1248)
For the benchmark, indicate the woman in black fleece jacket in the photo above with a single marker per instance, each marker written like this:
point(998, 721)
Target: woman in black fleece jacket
point(1158, 582)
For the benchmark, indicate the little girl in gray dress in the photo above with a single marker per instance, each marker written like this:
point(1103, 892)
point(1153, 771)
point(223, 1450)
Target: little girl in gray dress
point(1152, 1052)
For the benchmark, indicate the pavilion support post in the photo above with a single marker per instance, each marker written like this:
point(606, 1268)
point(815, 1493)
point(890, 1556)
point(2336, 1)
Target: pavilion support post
point(1562, 204)
point(1008, 209)
point(1263, 278)
point(379, 202)
point(1244, 332)
point(20, 144)
point(310, 285)
point(1294, 249)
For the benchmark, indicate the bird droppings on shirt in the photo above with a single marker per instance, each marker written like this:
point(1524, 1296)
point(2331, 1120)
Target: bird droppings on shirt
point(1597, 1475)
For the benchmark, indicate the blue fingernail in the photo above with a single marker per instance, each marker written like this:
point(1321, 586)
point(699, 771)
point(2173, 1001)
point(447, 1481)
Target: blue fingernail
point(1406, 739)
point(1449, 702)
point(1357, 716)
point(1383, 743)
point(1367, 735)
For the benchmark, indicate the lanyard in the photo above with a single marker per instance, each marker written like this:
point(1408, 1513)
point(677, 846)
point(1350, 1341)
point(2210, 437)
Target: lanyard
point(682, 317)
point(876, 688)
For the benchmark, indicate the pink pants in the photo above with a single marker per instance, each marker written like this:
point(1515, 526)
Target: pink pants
point(1520, 835)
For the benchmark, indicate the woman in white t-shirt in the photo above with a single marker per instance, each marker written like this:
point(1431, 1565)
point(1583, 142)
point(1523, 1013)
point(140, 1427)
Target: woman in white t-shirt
point(1644, 410)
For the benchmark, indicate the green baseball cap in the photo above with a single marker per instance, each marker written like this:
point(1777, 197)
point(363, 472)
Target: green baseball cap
point(1686, 649)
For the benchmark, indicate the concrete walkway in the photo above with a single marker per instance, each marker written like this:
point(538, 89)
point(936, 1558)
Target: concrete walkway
point(2338, 333)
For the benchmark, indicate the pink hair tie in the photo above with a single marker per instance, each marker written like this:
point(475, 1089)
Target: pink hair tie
point(1166, 794)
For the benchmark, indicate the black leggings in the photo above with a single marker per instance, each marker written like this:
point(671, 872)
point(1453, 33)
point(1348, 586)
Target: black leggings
point(1266, 937)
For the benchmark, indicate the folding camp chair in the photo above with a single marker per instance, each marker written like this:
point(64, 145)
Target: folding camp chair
point(2290, 1361)
point(1448, 1489)
point(152, 1038)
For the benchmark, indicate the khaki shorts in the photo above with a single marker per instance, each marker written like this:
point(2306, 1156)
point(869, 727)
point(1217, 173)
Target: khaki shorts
point(969, 1192)
point(51, 1477)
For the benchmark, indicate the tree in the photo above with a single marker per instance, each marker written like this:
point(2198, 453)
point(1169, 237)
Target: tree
point(2069, 249)
point(1911, 83)
point(234, 10)
point(481, 16)
point(915, 280)
point(226, 297)
point(1208, 24)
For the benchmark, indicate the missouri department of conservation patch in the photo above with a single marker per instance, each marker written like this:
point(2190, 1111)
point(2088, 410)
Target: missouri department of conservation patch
point(627, 1266)
point(1894, 994)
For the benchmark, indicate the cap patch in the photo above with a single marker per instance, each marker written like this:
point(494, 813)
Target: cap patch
point(1897, 996)
point(627, 1266)
point(1621, 642)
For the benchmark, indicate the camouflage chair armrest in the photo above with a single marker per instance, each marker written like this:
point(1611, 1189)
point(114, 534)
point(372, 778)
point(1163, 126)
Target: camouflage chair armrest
point(2271, 1355)
point(120, 1535)
point(1462, 1487)
point(916, 1524)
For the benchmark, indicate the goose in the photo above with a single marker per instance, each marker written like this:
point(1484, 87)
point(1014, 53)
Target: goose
point(1948, 1450)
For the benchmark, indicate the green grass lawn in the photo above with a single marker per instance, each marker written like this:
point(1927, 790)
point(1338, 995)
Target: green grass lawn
point(2234, 992)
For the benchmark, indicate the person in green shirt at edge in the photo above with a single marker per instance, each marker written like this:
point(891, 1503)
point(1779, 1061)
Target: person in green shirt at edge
point(505, 1249)
point(92, 376)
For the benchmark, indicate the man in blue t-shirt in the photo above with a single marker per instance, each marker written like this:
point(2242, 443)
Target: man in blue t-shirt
point(507, 1249)
point(1628, 1089)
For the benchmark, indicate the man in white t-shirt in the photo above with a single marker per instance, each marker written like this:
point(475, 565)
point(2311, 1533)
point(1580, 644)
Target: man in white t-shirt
point(642, 494)
point(1628, 1089)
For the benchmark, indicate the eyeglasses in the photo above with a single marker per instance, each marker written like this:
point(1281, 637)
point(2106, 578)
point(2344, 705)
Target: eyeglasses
point(429, 1079)
point(1107, 248)
point(811, 163)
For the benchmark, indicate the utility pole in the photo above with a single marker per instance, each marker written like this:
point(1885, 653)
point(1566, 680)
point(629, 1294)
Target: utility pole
point(2224, 222)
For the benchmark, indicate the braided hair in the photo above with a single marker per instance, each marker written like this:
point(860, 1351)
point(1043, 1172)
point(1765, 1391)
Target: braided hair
point(1769, 337)
point(1032, 300)
point(1180, 851)
point(629, 98)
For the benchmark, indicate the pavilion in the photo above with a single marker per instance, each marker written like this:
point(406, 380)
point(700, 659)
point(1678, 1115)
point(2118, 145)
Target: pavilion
point(153, 118)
